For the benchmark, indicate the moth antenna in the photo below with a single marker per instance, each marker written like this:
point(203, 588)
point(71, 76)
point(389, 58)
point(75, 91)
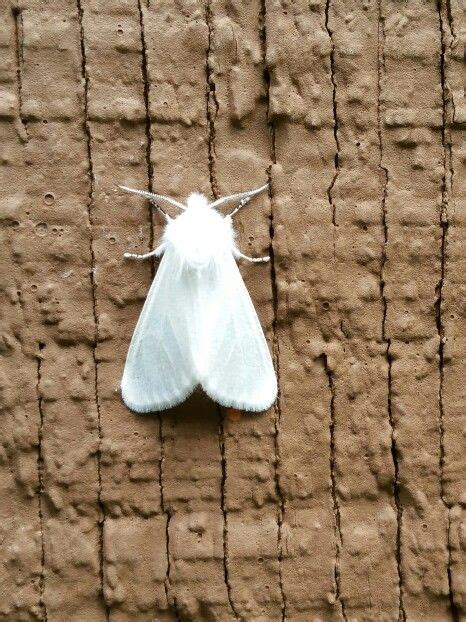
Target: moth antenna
point(154, 197)
point(238, 196)
point(241, 204)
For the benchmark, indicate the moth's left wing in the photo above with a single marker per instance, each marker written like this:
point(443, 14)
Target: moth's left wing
point(238, 370)
point(159, 371)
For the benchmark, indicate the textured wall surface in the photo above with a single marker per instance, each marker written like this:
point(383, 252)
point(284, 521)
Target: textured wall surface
point(343, 502)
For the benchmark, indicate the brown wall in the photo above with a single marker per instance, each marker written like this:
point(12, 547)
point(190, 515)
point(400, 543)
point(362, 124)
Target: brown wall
point(343, 503)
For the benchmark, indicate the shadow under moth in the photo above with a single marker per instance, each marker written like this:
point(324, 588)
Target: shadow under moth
point(198, 326)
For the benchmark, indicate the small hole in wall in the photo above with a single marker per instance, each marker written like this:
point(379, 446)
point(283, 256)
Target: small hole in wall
point(112, 240)
point(34, 287)
point(326, 305)
point(49, 198)
point(41, 345)
point(364, 227)
point(358, 144)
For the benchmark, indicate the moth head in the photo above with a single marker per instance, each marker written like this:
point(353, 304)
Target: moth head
point(197, 200)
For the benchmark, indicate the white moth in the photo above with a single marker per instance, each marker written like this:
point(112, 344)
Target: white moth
point(198, 325)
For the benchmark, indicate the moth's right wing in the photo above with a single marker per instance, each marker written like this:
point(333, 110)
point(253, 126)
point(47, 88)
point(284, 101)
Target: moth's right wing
point(159, 371)
point(238, 368)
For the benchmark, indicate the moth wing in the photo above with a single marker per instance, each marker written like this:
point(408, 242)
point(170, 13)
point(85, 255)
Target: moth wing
point(238, 372)
point(159, 370)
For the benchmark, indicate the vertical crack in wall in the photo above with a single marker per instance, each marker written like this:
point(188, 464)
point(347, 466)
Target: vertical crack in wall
point(333, 479)
point(446, 188)
point(221, 444)
point(394, 448)
point(211, 99)
point(90, 201)
point(19, 51)
point(148, 127)
point(331, 200)
point(276, 342)
point(451, 26)
point(40, 477)
point(169, 595)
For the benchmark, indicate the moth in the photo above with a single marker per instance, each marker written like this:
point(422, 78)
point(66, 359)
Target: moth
point(198, 325)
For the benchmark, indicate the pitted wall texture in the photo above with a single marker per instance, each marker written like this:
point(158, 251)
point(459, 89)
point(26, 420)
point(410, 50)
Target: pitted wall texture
point(344, 501)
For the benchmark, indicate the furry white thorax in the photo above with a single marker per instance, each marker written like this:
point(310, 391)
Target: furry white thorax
point(200, 234)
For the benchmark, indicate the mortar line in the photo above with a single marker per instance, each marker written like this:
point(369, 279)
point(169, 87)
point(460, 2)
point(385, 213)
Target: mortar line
point(394, 447)
point(90, 202)
point(446, 187)
point(333, 479)
point(276, 343)
point(19, 53)
point(148, 128)
point(40, 476)
point(210, 120)
point(335, 124)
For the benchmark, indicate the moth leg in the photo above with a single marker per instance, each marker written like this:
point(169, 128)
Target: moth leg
point(252, 259)
point(155, 253)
